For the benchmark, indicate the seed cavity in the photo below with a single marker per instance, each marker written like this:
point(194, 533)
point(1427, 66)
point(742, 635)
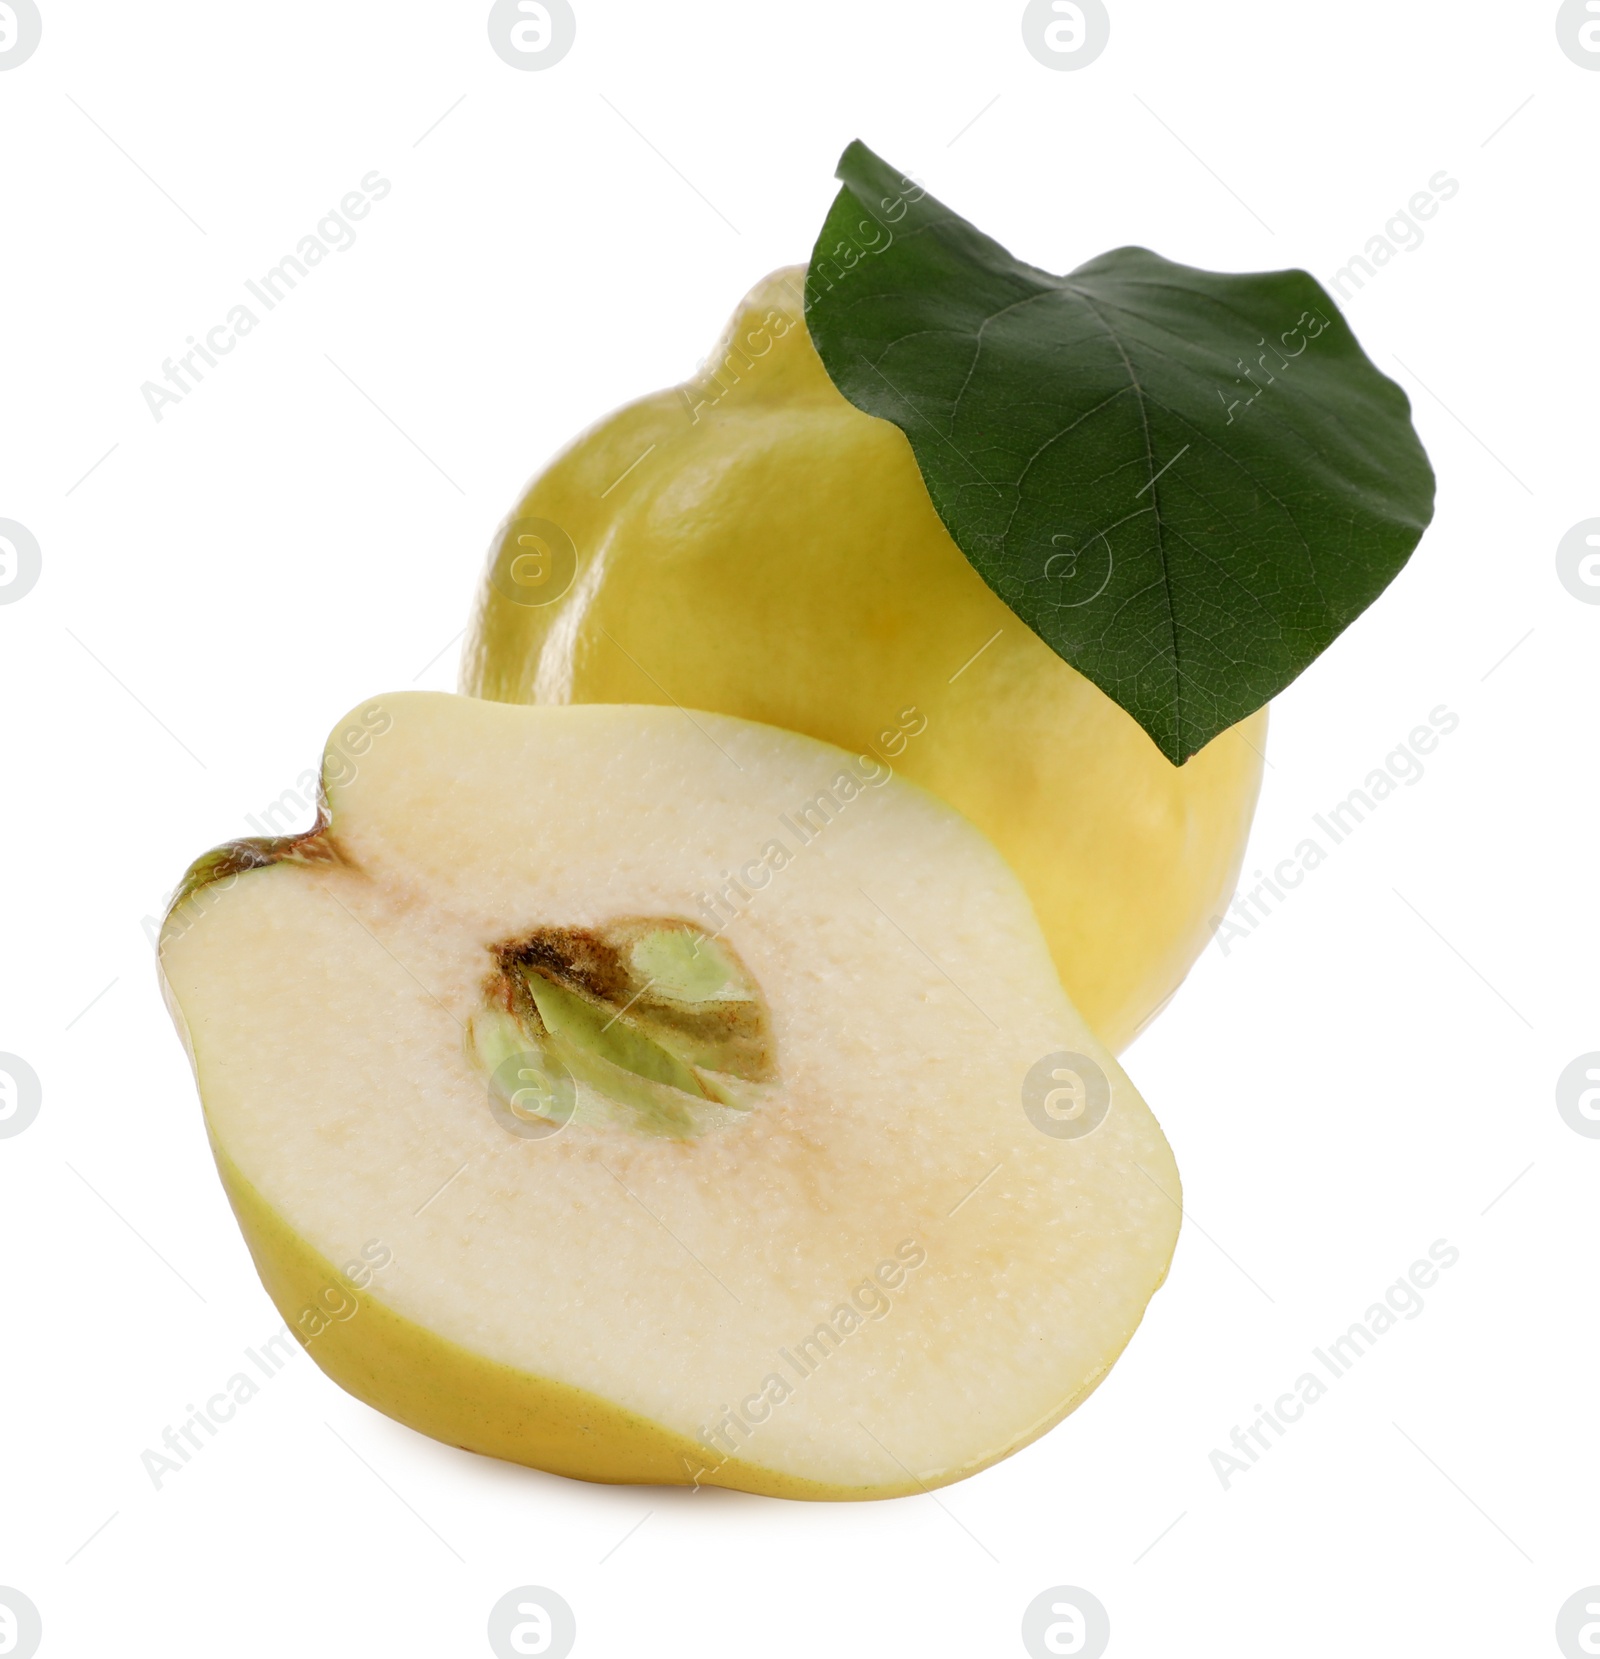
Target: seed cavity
point(662, 1028)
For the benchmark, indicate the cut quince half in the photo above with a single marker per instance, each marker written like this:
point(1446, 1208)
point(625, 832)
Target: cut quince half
point(657, 1097)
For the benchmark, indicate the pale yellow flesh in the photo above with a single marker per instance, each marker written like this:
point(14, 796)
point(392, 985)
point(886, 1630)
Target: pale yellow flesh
point(591, 1302)
point(465, 1399)
point(756, 545)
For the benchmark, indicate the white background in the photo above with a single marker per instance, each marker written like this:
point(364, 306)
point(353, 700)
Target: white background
point(1367, 1072)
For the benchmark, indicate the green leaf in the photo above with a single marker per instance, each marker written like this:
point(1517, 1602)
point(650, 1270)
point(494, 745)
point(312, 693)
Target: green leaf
point(1187, 483)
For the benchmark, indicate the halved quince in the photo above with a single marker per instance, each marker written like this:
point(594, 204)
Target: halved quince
point(658, 1097)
